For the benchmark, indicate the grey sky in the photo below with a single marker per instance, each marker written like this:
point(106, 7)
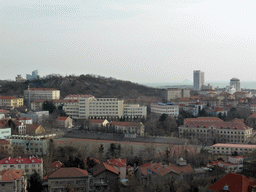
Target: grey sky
point(140, 41)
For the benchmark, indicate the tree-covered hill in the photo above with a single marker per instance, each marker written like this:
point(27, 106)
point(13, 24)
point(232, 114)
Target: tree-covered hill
point(97, 86)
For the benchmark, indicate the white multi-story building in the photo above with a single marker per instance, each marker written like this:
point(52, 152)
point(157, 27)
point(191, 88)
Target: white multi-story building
point(27, 165)
point(236, 83)
point(135, 111)
point(33, 94)
point(91, 107)
point(165, 108)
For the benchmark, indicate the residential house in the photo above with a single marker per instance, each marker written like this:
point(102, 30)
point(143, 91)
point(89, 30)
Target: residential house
point(12, 180)
point(213, 129)
point(73, 179)
point(97, 122)
point(64, 122)
point(105, 178)
point(119, 165)
point(128, 127)
point(27, 165)
point(34, 129)
point(233, 182)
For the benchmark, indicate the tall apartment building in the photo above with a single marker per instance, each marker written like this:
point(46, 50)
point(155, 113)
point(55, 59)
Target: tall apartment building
point(10, 101)
point(32, 94)
point(174, 93)
point(198, 79)
point(91, 107)
point(213, 129)
point(236, 83)
point(165, 108)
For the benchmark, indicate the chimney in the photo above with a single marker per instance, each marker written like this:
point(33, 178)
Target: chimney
point(29, 157)
point(9, 158)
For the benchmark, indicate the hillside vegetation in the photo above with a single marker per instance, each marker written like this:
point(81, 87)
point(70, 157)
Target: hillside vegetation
point(97, 86)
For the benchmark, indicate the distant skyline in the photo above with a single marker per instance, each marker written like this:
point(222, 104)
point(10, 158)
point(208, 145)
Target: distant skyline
point(139, 41)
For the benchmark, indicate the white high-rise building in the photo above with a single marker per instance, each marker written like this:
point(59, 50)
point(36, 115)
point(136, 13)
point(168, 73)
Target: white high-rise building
point(198, 79)
point(236, 83)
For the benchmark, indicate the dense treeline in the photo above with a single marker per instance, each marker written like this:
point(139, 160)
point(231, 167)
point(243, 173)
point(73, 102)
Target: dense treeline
point(97, 86)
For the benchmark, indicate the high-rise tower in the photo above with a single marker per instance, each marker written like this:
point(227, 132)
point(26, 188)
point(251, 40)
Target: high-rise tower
point(236, 83)
point(198, 79)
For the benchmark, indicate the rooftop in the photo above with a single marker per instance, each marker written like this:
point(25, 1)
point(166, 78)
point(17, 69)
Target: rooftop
point(10, 174)
point(29, 160)
point(42, 89)
point(234, 145)
point(68, 172)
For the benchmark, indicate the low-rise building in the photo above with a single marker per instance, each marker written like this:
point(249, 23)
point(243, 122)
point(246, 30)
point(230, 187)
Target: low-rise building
point(128, 127)
point(12, 180)
point(165, 108)
point(97, 122)
point(30, 145)
point(5, 133)
point(229, 149)
point(35, 129)
point(33, 94)
point(10, 101)
point(74, 179)
point(25, 120)
point(27, 165)
point(213, 129)
point(135, 111)
point(64, 122)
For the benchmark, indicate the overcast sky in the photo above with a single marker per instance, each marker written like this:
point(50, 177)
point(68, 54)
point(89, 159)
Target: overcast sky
point(139, 41)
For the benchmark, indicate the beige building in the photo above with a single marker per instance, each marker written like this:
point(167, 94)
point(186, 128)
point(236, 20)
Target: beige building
point(213, 129)
point(12, 180)
point(35, 129)
point(91, 107)
point(165, 108)
point(71, 178)
point(128, 127)
point(229, 149)
point(64, 122)
point(33, 94)
point(174, 93)
point(27, 165)
point(10, 101)
point(135, 111)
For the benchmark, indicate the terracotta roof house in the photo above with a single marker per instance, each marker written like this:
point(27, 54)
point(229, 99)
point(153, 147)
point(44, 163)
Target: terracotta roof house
point(234, 183)
point(12, 180)
point(105, 177)
point(74, 179)
point(128, 127)
point(56, 165)
point(97, 122)
point(151, 172)
point(34, 129)
point(119, 165)
point(64, 122)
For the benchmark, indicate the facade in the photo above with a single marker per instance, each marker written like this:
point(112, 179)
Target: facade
point(30, 145)
point(10, 101)
point(174, 93)
point(128, 127)
point(12, 180)
point(235, 83)
point(27, 165)
point(25, 120)
point(37, 117)
point(5, 133)
point(165, 108)
point(33, 94)
point(91, 107)
point(134, 111)
point(5, 146)
point(74, 179)
point(229, 149)
point(33, 76)
point(198, 79)
point(64, 122)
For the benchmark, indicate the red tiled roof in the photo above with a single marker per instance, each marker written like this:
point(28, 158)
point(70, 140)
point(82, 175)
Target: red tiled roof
point(68, 172)
point(10, 174)
point(103, 167)
point(56, 164)
point(252, 115)
point(7, 97)
point(117, 162)
point(24, 118)
point(20, 160)
point(31, 127)
point(4, 142)
point(234, 145)
point(124, 124)
point(203, 119)
point(235, 182)
point(62, 118)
